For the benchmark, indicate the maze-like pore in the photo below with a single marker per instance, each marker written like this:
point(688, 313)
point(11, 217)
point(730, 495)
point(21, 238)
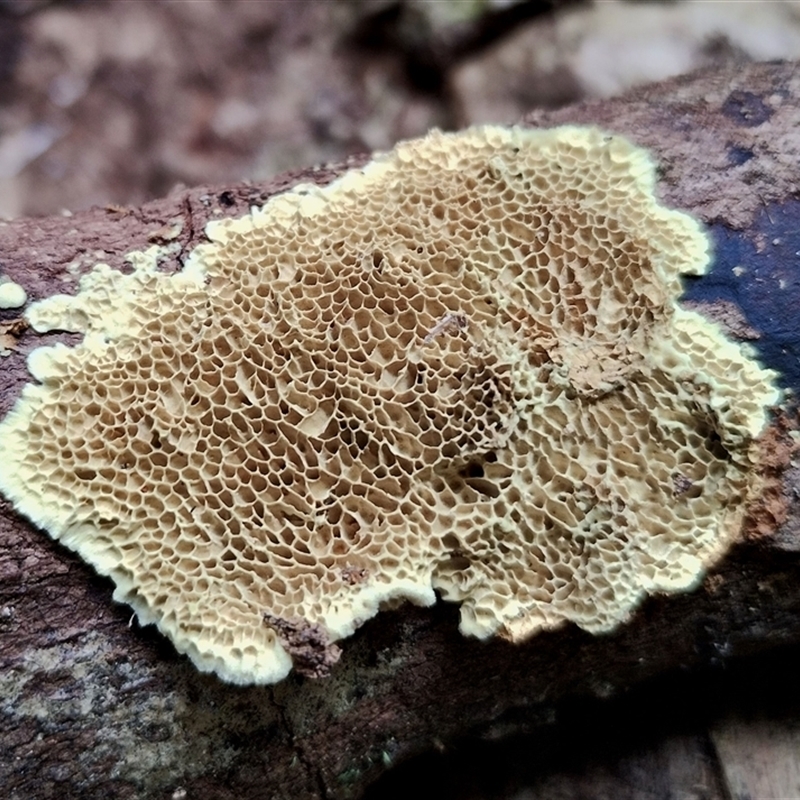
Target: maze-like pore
point(460, 369)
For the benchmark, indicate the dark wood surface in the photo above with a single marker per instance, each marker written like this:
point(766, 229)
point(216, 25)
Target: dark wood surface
point(95, 707)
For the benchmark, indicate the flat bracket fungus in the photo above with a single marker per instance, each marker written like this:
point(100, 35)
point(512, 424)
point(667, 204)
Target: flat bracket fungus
point(460, 369)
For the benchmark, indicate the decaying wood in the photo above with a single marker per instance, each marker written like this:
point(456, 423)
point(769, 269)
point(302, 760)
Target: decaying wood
point(95, 707)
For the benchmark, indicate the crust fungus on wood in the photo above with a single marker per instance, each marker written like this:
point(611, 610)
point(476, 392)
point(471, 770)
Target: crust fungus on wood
point(12, 295)
point(460, 369)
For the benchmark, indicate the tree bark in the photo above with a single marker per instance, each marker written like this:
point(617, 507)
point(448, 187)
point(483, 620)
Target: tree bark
point(95, 707)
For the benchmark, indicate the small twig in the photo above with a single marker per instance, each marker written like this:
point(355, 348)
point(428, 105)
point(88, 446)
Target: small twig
point(428, 55)
point(448, 322)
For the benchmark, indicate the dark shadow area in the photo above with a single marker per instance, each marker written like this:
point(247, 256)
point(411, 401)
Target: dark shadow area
point(757, 271)
point(611, 748)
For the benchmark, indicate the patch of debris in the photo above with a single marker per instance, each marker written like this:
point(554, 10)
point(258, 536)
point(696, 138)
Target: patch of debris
point(309, 645)
point(10, 331)
point(767, 514)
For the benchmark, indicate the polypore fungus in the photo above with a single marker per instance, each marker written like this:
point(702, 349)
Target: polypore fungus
point(460, 369)
point(12, 295)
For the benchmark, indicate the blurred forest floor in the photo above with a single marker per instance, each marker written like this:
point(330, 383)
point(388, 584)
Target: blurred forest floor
point(119, 101)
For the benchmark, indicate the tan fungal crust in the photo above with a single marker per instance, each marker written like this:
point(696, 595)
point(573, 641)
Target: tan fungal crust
point(461, 368)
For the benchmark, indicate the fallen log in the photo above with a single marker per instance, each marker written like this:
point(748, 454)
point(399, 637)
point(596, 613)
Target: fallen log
point(95, 706)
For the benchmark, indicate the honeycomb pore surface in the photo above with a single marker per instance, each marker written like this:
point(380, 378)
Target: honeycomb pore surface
point(461, 368)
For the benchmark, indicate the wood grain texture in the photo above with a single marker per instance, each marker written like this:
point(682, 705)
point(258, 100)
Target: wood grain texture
point(760, 757)
point(93, 706)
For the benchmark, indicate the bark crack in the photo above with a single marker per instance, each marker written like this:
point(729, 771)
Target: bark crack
point(310, 766)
